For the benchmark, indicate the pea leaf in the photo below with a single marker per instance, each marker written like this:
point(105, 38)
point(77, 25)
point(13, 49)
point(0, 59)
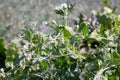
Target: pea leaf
point(83, 28)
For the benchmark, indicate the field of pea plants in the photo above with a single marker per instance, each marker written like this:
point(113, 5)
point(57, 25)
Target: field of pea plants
point(68, 42)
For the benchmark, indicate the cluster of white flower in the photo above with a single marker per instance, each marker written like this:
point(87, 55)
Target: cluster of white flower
point(61, 7)
point(107, 10)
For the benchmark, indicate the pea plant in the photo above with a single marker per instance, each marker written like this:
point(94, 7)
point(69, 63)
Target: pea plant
point(89, 51)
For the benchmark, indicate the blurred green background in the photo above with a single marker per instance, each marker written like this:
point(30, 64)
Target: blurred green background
point(17, 14)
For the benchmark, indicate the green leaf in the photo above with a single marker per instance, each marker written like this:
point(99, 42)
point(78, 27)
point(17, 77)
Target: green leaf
point(67, 33)
point(102, 29)
point(105, 2)
point(2, 53)
point(115, 55)
point(118, 48)
point(2, 46)
point(111, 77)
point(115, 61)
point(83, 28)
point(60, 12)
point(28, 34)
point(116, 24)
point(73, 66)
point(105, 20)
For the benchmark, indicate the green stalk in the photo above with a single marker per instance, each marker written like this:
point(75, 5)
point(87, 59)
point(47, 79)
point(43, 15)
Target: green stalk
point(65, 18)
point(65, 21)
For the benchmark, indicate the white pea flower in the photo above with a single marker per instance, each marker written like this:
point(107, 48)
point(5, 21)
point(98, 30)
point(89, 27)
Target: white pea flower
point(54, 22)
point(119, 17)
point(107, 10)
point(94, 12)
point(62, 6)
point(2, 70)
point(44, 23)
point(26, 46)
point(57, 7)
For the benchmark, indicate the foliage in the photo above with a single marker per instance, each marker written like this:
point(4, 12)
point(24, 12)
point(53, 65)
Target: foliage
point(15, 15)
point(2, 53)
point(89, 51)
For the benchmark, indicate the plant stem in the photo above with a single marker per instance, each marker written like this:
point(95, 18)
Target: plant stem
point(65, 18)
point(65, 21)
